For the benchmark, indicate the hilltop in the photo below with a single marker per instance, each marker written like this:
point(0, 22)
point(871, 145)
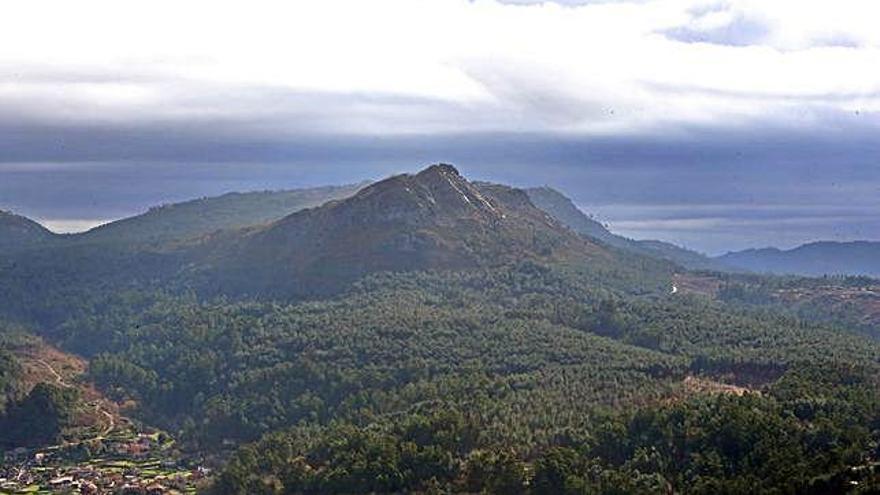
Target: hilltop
point(18, 232)
point(433, 220)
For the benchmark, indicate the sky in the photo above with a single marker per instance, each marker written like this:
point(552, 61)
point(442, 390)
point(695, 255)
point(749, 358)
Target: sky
point(718, 125)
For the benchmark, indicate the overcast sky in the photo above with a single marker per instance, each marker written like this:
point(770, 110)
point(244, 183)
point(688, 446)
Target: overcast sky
point(714, 124)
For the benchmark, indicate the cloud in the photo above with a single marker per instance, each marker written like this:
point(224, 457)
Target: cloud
point(755, 184)
point(732, 29)
point(394, 66)
point(107, 107)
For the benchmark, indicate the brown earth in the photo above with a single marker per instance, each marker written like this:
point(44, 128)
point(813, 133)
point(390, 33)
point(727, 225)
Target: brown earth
point(689, 283)
point(704, 385)
point(43, 363)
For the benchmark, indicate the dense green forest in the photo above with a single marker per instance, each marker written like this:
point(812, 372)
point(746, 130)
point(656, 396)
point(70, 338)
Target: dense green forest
point(9, 376)
point(521, 379)
point(813, 431)
point(847, 302)
point(559, 365)
point(39, 418)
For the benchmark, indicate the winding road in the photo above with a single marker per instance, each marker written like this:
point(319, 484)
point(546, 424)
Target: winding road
point(59, 380)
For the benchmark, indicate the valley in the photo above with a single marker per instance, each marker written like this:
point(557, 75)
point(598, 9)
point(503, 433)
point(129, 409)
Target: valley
point(100, 450)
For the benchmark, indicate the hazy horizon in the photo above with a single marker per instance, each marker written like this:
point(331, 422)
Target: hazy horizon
point(682, 224)
point(712, 124)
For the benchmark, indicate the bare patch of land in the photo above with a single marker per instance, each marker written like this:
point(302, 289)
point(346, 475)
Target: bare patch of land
point(689, 283)
point(43, 363)
point(705, 385)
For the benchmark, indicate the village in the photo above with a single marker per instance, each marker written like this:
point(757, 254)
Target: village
point(125, 462)
point(102, 451)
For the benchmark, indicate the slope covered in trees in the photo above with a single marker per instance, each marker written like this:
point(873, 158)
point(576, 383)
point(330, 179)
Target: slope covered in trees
point(777, 442)
point(190, 219)
point(435, 219)
point(430, 334)
point(18, 233)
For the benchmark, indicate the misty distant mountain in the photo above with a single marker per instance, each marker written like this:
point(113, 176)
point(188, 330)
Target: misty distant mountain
point(198, 217)
point(177, 221)
point(193, 219)
point(814, 259)
point(563, 209)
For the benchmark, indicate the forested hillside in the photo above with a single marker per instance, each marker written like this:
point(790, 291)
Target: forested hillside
point(435, 219)
point(30, 414)
point(10, 371)
point(173, 223)
point(431, 335)
point(779, 441)
point(198, 217)
point(18, 233)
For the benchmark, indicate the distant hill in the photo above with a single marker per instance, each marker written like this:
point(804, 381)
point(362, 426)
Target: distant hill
point(814, 259)
point(563, 209)
point(18, 232)
point(198, 217)
point(435, 219)
point(177, 221)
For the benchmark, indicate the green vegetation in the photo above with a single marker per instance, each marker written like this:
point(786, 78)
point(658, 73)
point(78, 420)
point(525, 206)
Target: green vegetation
point(39, 418)
point(9, 371)
point(847, 302)
point(813, 432)
point(18, 233)
point(530, 364)
point(11, 386)
point(180, 221)
point(431, 335)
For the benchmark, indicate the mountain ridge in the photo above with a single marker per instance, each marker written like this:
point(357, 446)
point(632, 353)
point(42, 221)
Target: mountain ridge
point(18, 232)
point(563, 209)
point(434, 219)
point(176, 222)
point(813, 258)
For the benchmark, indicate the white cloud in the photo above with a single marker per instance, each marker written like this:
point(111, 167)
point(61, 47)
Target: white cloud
point(442, 65)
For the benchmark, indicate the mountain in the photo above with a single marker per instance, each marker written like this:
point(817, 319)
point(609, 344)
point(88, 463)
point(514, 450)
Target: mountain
point(177, 221)
point(498, 351)
point(18, 232)
point(203, 216)
point(564, 210)
point(814, 259)
point(433, 220)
